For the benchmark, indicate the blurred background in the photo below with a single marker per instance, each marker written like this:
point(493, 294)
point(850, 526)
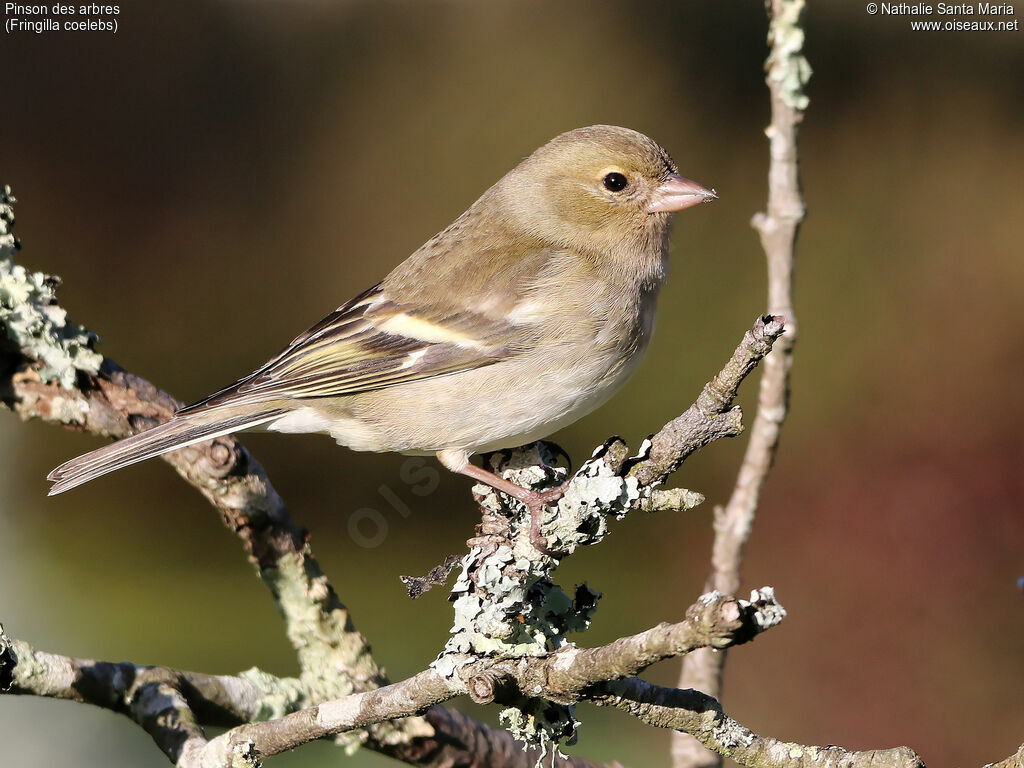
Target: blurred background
point(219, 175)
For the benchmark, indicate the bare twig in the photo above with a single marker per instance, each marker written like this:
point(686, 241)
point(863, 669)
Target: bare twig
point(712, 416)
point(787, 73)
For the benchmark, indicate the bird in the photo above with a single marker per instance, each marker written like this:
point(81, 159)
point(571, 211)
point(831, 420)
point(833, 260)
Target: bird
point(526, 313)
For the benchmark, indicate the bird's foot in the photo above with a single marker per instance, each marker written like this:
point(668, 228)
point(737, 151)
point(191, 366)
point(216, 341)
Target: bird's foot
point(535, 502)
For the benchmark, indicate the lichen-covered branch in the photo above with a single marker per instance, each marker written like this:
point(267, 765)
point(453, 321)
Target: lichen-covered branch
point(506, 601)
point(49, 371)
point(232, 700)
point(787, 75)
point(578, 675)
point(695, 713)
point(565, 676)
point(714, 621)
point(171, 704)
point(153, 697)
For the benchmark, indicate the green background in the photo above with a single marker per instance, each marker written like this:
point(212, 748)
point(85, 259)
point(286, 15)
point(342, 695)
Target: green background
point(219, 175)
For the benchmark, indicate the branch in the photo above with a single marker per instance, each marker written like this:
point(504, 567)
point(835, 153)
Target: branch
point(151, 696)
point(565, 677)
point(49, 371)
point(700, 716)
point(171, 704)
point(787, 74)
point(712, 416)
point(713, 620)
point(506, 602)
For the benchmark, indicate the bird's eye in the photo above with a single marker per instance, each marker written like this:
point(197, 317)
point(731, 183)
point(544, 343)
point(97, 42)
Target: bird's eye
point(615, 182)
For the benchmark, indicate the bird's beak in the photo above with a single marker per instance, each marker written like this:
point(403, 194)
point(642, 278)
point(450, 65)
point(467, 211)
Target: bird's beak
point(678, 193)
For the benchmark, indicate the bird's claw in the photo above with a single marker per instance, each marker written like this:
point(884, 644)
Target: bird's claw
point(535, 502)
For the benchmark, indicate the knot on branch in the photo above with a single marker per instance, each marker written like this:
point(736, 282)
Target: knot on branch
point(717, 617)
point(491, 685)
point(222, 457)
point(725, 621)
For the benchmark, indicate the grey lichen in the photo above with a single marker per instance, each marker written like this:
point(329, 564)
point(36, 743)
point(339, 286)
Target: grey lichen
point(245, 755)
point(35, 326)
point(672, 500)
point(505, 601)
point(728, 734)
point(540, 722)
point(787, 64)
point(769, 612)
point(279, 695)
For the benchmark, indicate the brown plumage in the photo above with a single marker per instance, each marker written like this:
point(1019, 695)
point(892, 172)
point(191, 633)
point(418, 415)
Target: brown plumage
point(527, 312)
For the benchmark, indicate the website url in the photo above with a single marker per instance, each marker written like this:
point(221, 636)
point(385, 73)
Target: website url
point(956, 25)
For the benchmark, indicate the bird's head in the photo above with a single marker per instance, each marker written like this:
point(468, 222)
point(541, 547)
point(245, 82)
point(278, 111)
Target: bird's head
point(600, 189)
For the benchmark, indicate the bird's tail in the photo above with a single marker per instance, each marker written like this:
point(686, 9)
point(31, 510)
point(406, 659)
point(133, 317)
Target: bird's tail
point(180, 431)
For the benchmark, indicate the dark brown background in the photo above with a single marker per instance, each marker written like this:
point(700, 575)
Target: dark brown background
point(218, 175)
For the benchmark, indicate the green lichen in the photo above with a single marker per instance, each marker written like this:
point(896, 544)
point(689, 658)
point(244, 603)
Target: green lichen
point(35, 326)
point(279, 696)
point(787, 64)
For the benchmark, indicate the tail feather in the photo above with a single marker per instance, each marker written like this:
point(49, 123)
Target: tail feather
point(179, 432)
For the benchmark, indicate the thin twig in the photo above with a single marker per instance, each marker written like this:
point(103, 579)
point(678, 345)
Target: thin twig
point(787, 73)
point(693, 712)
point(712, 416)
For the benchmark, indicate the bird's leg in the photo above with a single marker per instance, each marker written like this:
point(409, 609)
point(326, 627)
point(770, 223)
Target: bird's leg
point(535, 501)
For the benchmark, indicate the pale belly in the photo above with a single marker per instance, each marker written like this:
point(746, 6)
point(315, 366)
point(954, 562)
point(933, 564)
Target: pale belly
point(498, 406)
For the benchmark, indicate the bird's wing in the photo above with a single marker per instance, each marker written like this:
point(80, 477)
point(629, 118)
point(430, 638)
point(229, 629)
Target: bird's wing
point(371, 343)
